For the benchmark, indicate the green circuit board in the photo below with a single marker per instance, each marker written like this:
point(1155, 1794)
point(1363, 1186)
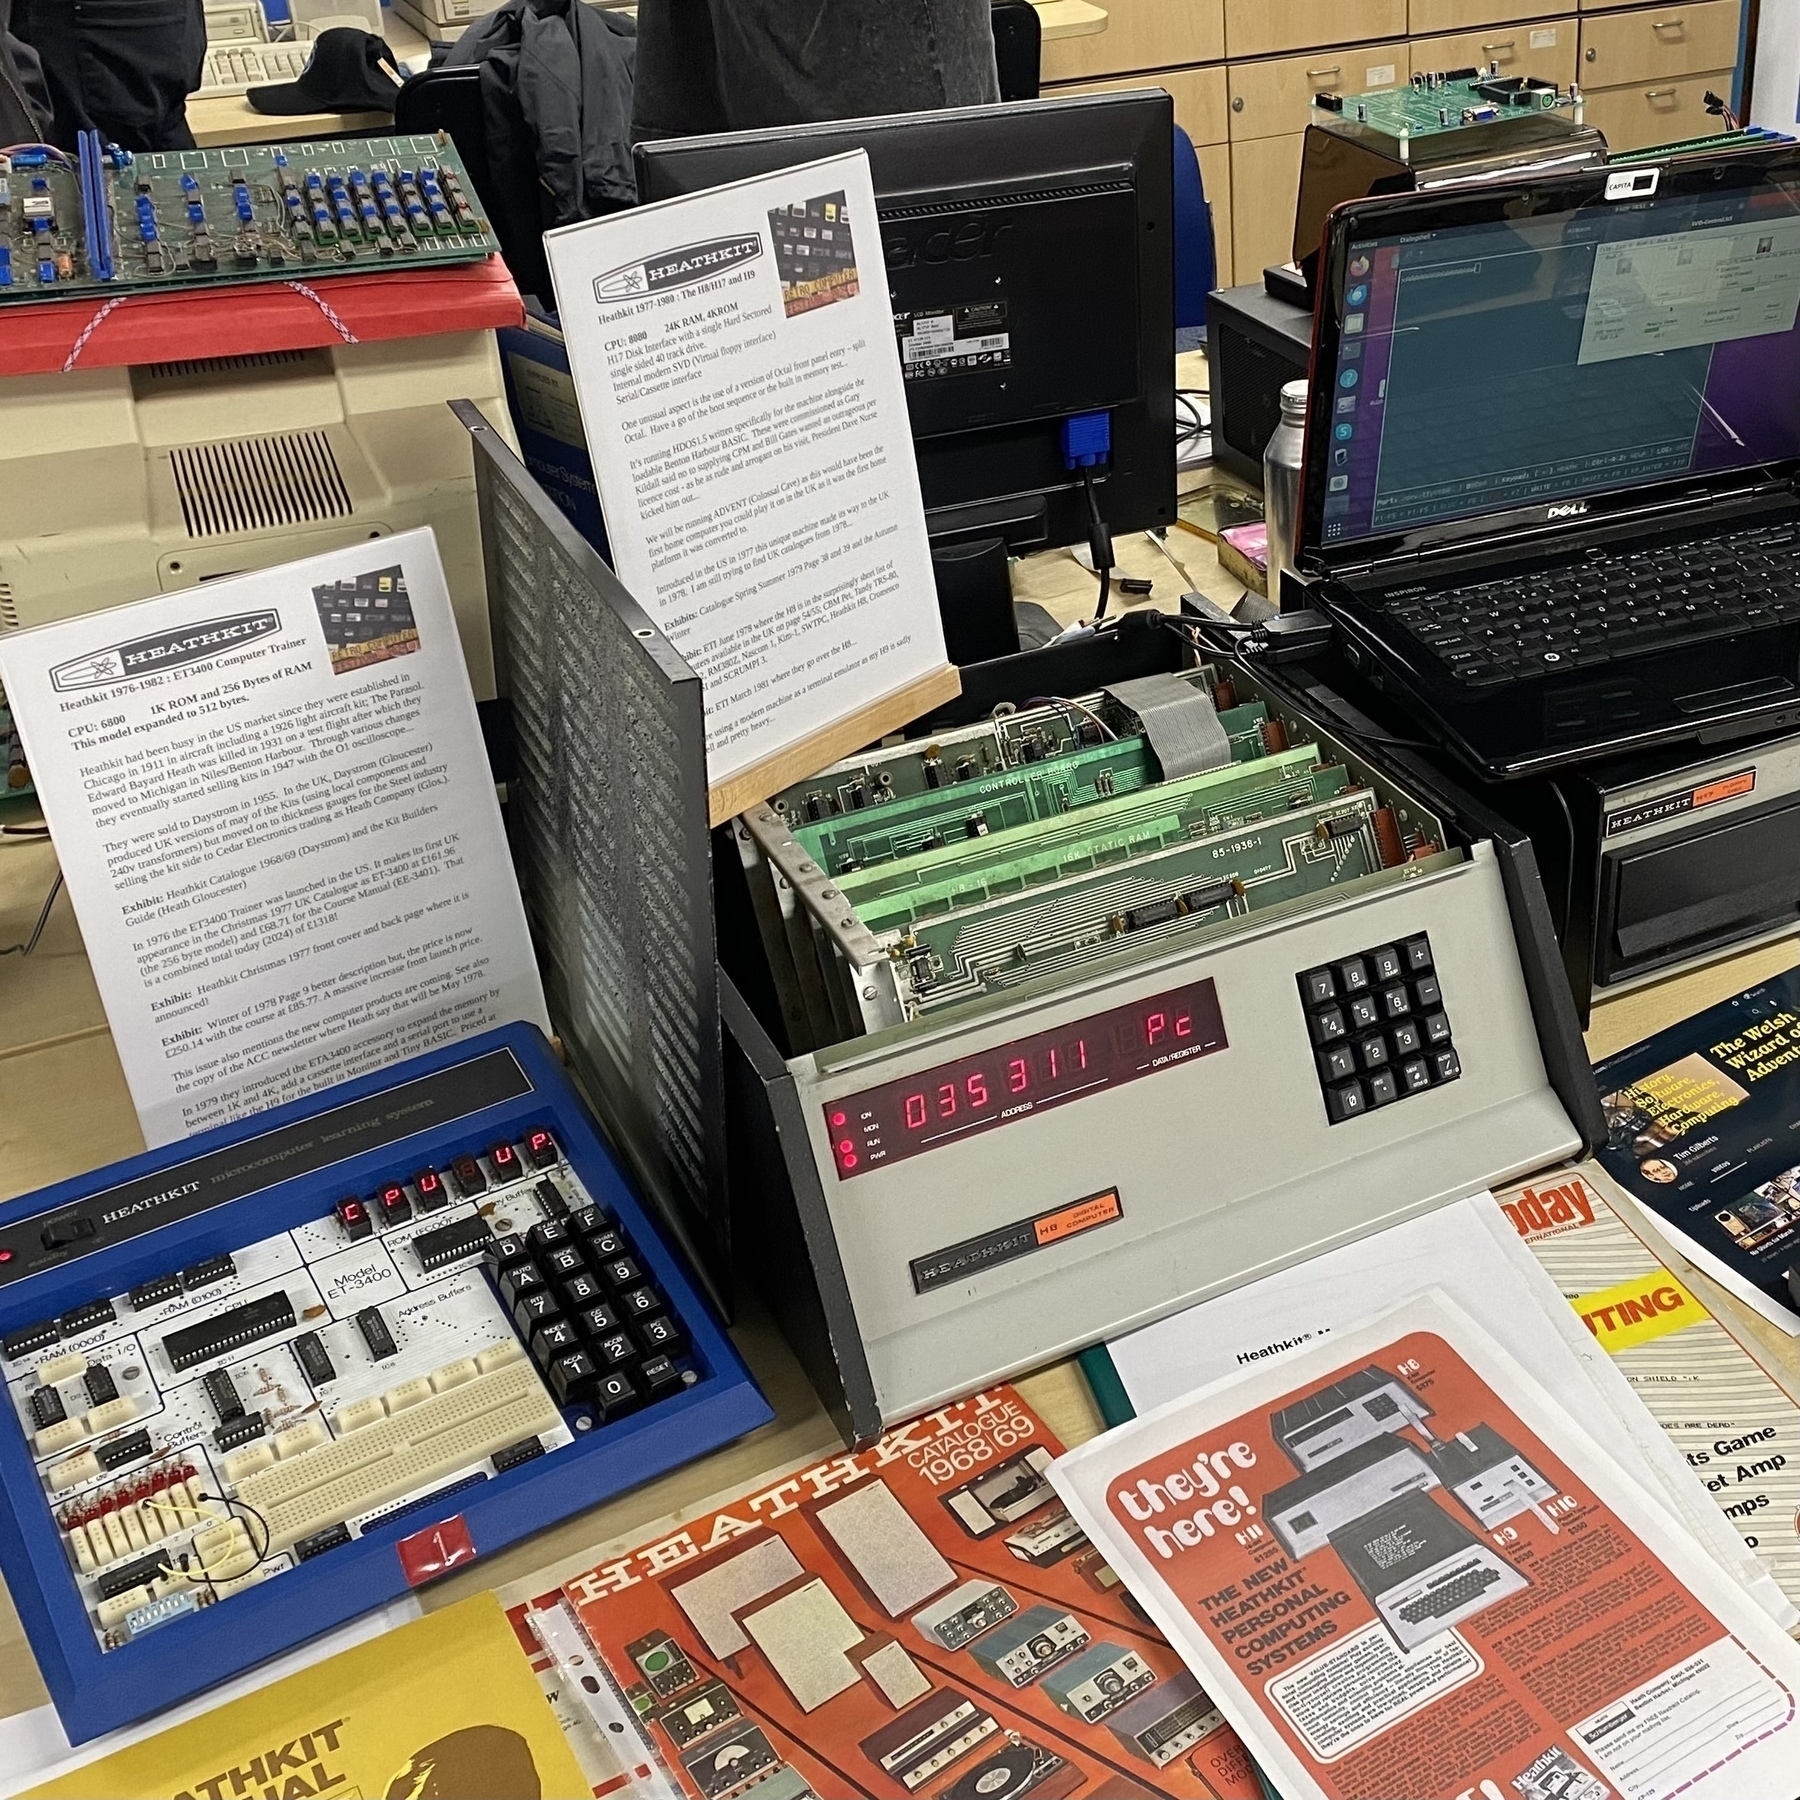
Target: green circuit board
point(1109, 831)
point(1018, 936)
point(107, 221)
point(1445, 102)
point(905, 825)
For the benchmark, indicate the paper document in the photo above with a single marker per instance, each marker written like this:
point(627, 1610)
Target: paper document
point(1471, 1251)
point(1737, 1431)
point(1399, 1566)
point(278, 827)
point(741, 390)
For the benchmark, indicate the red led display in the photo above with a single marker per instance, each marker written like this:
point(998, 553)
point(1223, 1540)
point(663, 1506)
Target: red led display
point(899, 1119)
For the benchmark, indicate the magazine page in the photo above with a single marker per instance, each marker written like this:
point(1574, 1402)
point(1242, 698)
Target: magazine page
point(919, 1618)
point(1701, 1133)
point(1738, 1433)
point(1469, 1250)
point(1400, 1568)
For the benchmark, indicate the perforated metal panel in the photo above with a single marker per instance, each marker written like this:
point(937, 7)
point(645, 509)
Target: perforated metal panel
point(606, 807)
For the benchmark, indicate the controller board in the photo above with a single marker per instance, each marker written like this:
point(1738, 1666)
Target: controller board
point(108, 221)
point(1449, 100)
point(280, 1417)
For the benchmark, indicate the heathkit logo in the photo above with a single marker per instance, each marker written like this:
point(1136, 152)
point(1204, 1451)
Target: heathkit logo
point(1573, 510)
point(163, 650)
point(678, 268)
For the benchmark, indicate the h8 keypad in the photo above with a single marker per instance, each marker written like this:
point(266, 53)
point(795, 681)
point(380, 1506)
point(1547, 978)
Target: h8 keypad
point(1378, 1027)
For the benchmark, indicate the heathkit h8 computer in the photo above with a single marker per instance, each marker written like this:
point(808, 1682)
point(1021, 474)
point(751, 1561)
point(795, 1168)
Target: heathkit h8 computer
point(1109, 1003)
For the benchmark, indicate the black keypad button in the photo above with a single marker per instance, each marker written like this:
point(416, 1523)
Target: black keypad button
point(1444, 1065)
point(1336, 1064)
point(1386, 964)
point(1404, 1039)
point(615, 1395)
point(1351, 975)
point(518, 1280)
point(1436, 1026)
point(616, 1351)
point(660, 1336)
point(623, 1271)
point(1317, 988)
point(1396, 1002)
point(590, 1221)
point(1426, 993)
point(573, 1378)
point(1383, 1088)
point(534, 1309)
point(1345, 1101)
point(549, 1234)
point(598, 1321)
point(581, 1291)
point(1416, 1074)
point(1364, 1013)
point(1327, 1026)
point(639, 1303)
point(1416, 952)
point(659, 1377)
point(604, 1245)
point(1372, 1052)
point(564, 1260)
point(551, 1339)
point(505, 1252)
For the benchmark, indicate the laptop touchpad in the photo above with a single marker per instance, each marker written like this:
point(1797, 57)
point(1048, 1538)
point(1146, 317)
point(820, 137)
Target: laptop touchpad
point(1594, 708)
point(1723, 699)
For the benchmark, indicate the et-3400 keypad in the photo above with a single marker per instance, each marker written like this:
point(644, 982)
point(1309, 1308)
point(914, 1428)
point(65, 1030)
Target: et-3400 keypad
point(1378, 1027)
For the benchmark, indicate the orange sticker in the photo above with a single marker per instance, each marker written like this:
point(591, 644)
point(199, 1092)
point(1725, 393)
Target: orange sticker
point(1727, 789)
point(1084, 1215)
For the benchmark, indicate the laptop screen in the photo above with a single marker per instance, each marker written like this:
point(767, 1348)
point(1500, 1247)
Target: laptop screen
point(1508, 363)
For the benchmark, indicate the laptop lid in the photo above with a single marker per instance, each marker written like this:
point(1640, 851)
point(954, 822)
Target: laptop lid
point(1502, 359)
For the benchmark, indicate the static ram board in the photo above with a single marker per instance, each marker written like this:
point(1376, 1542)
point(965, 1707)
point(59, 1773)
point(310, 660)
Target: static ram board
point(110, 222)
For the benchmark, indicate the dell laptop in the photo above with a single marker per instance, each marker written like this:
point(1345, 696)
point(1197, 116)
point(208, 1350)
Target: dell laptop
point(1551, 452)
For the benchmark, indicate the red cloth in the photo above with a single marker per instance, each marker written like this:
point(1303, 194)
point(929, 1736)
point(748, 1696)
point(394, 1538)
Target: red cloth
point(302, 312)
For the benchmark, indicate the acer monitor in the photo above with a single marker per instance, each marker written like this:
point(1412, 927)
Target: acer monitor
point(1030, 267)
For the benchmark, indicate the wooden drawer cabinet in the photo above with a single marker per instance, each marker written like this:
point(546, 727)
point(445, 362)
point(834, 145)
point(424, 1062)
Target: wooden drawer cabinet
point(1442, 18)
point(1141, 34)
point(1265, 182)
point(1271, 98)
point(1544, 48)
point(1199, 96)
point(1657, 112)
point(1656, 43)
point(1267, 27)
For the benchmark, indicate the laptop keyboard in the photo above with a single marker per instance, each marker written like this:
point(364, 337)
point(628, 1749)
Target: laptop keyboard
point(1608, 606)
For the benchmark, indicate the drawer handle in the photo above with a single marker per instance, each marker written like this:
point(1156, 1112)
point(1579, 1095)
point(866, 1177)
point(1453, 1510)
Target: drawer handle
point(1329, 69)
point(1668, 24)
point(1503, 44)
point(1659, 93)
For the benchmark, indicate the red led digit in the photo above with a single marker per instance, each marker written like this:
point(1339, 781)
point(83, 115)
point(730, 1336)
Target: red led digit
point(976, 1088)
point(915, 1112)
point(1081, 1053)
point(947, 1100)
point(1052, 1060)
point(1154, 1026)
point(1184, 1025)
point(1018, 1077)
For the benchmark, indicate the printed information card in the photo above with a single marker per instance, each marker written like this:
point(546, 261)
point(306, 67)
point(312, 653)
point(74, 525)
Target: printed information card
point(278, 827)
point(744, 406)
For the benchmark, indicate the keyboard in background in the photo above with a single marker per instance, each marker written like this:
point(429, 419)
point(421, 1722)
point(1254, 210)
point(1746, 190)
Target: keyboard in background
point(233, 69)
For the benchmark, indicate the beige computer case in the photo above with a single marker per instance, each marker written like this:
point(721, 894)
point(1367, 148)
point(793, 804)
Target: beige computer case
point(120, 483)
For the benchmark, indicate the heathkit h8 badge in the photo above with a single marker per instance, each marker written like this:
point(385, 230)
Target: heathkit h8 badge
point(1015, 962)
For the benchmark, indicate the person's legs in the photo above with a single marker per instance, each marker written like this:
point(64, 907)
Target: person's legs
point(122, 67)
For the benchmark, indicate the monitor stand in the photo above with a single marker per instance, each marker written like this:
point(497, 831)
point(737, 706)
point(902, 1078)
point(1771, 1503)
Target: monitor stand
point(974, 592)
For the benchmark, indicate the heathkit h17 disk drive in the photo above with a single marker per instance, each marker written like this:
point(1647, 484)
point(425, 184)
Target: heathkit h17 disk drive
point(1112, 1002)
